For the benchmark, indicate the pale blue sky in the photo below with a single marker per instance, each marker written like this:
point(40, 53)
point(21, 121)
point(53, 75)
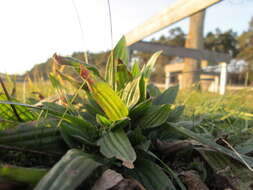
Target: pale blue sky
point(32, 30)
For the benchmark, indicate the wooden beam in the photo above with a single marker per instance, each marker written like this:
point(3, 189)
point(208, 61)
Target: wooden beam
point(150, 47)
point(176, 12)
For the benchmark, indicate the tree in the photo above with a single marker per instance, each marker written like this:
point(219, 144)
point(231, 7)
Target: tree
point(223, 42)
point(246, 51)
point(176, 37)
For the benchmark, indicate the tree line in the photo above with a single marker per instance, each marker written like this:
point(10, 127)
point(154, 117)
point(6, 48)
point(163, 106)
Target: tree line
point(240, 47)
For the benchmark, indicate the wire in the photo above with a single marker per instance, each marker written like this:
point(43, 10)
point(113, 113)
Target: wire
point(110, 19)
point(81, 29)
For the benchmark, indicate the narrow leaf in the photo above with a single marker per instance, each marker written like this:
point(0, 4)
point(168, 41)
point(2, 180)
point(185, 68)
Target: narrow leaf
point(135, 70)
point(151, 176)
point(123, 76)
point(21, 174)
point(109, 101)
point(156, 116)
point(149, 67)
point(215, 146)
point(73, 168)
point(131, 93)
point(167, 97)
point(116, 144)
point(119, 53)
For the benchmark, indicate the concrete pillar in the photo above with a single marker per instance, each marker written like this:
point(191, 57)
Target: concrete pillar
point(223, 78)
point(216, 84)
point(167, 80)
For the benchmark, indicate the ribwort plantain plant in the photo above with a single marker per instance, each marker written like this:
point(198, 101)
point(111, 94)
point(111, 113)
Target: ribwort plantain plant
point(122, 119)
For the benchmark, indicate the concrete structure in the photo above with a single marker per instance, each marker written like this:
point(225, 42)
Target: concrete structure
point(179, 10)
point(209, 81)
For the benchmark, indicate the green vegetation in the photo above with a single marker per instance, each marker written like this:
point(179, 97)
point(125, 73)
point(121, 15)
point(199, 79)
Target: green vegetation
point(123, 125)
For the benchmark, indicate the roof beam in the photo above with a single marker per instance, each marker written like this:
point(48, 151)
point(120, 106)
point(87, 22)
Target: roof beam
point(150, 47)
point(176, 12)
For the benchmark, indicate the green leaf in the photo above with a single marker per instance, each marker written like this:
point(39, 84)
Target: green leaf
point(175, 113)
point(123, 76)
point(74, 82)
point(157, 116)
point(21, 174)
point(151, 176)
point(56, 112)
point(6, 112)
point(219, 162)
point(116, 144)
point(73, 135)
point(168, 170)
point(131, 93)
point(120, 123)
point(102, 120)
point(149, 67)
point(109, 101)
point(140, 109)
point(153, 90)
point(92, 107)
point(143, 89)
point(33, 137)
point(213, 145)
point(135, 70)
point(119, 53)
point(137, 137)
point(167, 97)
point(73, 168)
point(75, 63)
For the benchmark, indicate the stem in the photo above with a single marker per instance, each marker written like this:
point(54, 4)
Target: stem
point(9, 99)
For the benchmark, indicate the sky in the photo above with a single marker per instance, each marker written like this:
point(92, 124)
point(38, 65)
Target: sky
point(31, 31)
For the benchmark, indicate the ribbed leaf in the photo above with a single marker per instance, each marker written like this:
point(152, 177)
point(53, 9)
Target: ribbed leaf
point(119, 53)
point(135, 70)
point(131, 93)
point(143, 88)
point(73, 136)
point(123, 76)
point(116, 144)
point(6, 112)
point(168, 170)
point(149, 67)
point(155, 117)
point(75, 63)
point(73, 168)
point(167, 97)
point(140, 109)
point(120, 123)
point(92, 107)
point(103, 121)
point(109, 101)
point(151, 176)
point(39, 138)
point(21, 174)
point(56, 112)
point(176, 112)
point(218, 162)
point(219, 148)
point(153, 90)
point(111, 72)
